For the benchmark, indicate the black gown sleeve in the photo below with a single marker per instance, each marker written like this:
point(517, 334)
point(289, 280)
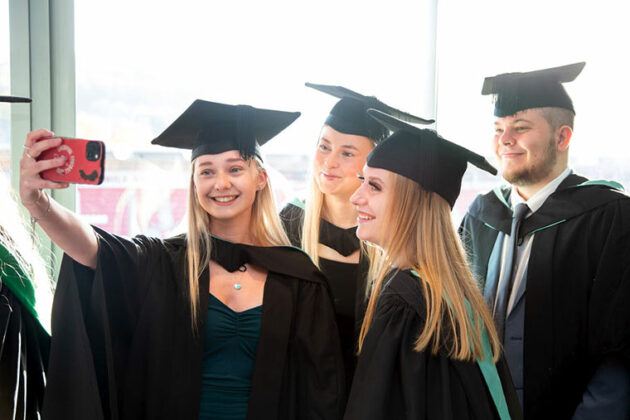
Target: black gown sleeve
point(320, 368)
point(609, 311)
point(94, 317)
point(394, 381)
point(24, 347)
point(379, 376)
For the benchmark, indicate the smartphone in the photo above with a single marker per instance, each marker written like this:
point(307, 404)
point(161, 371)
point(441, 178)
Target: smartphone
point(85, 161)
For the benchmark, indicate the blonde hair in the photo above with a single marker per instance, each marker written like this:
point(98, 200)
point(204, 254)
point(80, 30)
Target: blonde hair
point(312, 220)
point(421, 236)
point(313, 207)
point(265, 227)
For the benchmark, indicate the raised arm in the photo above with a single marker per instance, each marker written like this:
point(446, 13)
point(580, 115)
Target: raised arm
point(71, 234)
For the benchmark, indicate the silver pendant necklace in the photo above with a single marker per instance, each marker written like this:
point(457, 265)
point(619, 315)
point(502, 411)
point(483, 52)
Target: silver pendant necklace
point(242, 269)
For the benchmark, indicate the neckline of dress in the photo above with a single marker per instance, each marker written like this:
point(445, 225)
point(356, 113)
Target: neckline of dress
point(232, 310)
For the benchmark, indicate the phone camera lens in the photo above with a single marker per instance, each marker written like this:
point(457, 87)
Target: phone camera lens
point(93, 151)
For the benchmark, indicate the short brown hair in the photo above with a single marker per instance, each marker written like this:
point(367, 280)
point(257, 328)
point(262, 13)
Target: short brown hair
point(557, 117)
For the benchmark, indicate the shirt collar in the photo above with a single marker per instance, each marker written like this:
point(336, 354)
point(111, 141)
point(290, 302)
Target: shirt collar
point(537, 200)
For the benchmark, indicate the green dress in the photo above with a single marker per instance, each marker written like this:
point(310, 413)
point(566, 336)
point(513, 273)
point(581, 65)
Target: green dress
point(228, 360)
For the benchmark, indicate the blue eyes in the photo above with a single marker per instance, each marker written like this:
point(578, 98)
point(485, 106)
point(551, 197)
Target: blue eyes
point(233, 170)
point(325, 148)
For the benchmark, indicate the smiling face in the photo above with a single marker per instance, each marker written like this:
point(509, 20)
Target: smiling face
point(226, 186)
point(528, 149)
point(338, 159)
point(371, 199)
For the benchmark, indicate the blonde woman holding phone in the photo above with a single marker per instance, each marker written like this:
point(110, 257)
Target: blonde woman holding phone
point(213, 324)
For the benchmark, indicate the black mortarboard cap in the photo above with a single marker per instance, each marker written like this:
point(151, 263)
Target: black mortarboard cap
point(349, 115)
point(535, 89)
point(14, 99)
point(212, 128)
point(423, 156)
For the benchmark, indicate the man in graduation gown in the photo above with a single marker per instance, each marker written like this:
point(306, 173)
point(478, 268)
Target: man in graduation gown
point(557, 280)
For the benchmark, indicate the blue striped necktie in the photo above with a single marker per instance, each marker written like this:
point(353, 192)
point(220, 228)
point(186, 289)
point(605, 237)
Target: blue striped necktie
point(507, 278)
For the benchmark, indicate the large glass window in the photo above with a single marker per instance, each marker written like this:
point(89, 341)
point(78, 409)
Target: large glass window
point(5, 89)
point(141, 63)
point(476, 40)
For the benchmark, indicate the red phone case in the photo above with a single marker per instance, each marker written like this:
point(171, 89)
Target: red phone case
point(85, 161)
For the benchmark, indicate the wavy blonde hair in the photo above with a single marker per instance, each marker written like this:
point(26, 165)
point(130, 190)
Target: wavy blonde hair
point(265, 227)
point(421, 236)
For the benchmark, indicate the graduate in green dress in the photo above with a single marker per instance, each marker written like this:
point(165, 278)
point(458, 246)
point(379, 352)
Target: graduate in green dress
point(213, 324)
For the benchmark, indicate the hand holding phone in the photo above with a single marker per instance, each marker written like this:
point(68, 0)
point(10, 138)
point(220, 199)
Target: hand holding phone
point(84, 164)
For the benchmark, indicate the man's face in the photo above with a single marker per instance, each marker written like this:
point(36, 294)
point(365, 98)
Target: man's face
point(526, 147)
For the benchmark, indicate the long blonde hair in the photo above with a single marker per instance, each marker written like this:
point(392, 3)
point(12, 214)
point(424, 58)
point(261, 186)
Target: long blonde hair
point(312, 220)
point(265, 227)
point(421, 236)
point(313, 207)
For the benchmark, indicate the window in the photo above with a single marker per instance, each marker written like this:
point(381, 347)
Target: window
point(141, 63)
point(516, 36)
point(5, 89)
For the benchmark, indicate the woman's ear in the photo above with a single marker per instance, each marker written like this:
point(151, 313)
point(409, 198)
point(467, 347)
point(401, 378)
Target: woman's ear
point(261, 179)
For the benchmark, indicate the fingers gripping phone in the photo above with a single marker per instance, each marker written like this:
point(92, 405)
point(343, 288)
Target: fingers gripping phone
point(85, 161)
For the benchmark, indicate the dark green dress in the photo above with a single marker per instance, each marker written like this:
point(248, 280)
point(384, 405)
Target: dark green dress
point(228, 360)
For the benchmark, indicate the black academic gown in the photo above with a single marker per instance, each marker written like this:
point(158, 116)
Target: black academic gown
point(393, 381)
point(123, 346)
point(577, 307)
point(24, 347)
point(345, 242)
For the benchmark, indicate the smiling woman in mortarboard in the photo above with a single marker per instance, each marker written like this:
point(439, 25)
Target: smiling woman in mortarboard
point(428, 347)
point(325, 224)
point(214, 324)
